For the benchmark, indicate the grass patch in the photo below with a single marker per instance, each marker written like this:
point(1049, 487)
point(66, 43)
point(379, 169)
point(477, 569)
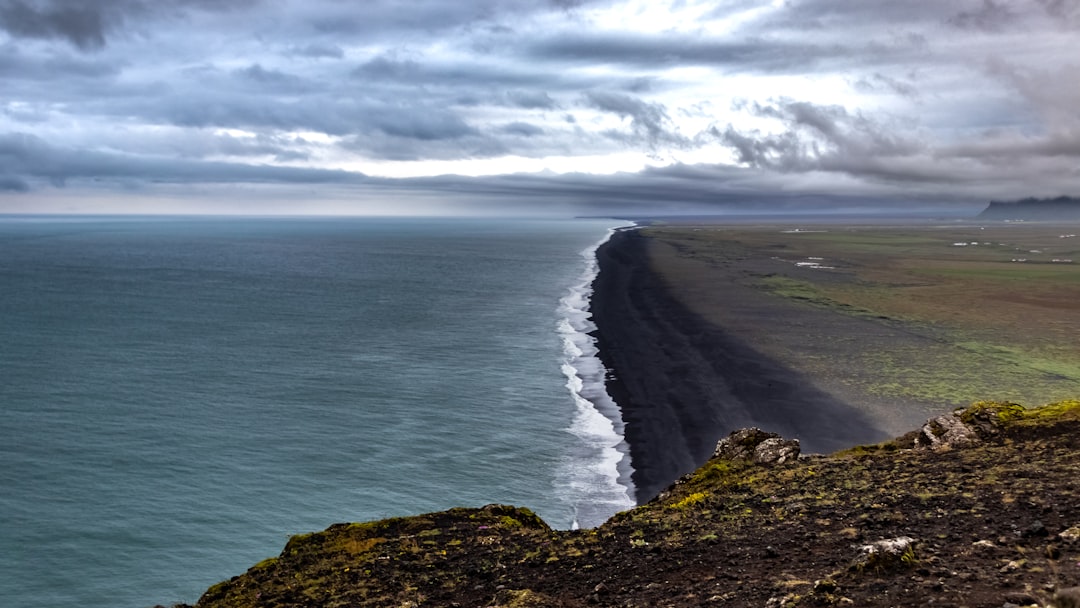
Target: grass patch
point(1057, 273)
point(1057, 367)
point(1062, 410)
point(690, 500)
point(805, 291)
point(795, 289)
point(873, 241)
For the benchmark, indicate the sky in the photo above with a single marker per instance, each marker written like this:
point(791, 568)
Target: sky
point(535, 107)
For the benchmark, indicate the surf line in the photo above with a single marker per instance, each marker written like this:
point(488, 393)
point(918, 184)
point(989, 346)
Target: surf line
point(602, 485)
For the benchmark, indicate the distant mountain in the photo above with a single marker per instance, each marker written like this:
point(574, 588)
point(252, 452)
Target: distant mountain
point(1034, 209)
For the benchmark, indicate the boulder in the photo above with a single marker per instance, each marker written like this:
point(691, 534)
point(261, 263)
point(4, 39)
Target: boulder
point(945, 433)
point(757, 446)
point(888, 554)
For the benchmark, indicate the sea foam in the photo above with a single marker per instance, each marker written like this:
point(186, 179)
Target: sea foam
point(598, 478)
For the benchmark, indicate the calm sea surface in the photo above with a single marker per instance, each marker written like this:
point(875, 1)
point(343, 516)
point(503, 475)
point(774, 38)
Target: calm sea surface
point(178, 396)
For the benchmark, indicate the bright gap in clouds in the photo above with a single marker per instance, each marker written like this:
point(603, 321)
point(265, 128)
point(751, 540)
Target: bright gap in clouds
point(651, 17)
point(604, 164)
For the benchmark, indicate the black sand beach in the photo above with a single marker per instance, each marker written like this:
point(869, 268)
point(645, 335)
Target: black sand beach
point(683, 383)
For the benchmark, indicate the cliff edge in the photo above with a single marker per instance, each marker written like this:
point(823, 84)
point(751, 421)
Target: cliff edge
point(980, 507)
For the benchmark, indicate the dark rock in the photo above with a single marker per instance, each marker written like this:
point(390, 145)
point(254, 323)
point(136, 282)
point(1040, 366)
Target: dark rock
point(1020, 598)
point(1035, 529)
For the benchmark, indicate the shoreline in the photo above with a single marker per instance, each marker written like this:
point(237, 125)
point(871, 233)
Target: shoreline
point(597, 423)
point(683, 383)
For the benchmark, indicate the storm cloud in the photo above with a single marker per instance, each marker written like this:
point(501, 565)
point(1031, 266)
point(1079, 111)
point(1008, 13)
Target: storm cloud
point(523, 107)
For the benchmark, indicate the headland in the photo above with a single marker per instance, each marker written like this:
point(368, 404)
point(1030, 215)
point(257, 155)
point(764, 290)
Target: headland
point(979, 508)
point(1062, 208)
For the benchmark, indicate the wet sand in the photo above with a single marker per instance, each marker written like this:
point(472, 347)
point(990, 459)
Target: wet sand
point(683, 382)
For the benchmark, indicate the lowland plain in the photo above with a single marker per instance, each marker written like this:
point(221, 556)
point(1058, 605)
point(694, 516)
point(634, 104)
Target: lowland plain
point(903, 321)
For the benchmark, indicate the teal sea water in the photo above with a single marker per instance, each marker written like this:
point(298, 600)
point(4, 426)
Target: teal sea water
point(179, 396)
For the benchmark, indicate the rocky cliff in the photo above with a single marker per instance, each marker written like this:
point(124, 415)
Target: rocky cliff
point(977, 508)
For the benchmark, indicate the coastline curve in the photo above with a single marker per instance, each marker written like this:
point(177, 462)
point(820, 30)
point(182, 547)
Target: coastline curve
point(599, 475)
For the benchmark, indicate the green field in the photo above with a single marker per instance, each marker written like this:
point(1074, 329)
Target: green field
point(931, 323)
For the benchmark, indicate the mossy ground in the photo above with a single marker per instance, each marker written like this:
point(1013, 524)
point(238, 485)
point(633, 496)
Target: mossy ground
point(985, 519)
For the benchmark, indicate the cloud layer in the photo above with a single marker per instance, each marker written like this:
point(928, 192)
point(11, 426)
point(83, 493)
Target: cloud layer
point(531, 107)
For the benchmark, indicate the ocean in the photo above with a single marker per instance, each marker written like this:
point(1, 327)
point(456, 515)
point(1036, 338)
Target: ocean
point(180, 395)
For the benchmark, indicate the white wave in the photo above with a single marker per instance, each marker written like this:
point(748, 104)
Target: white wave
point(598, 477)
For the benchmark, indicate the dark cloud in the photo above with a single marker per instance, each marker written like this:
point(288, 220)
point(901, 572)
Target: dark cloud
point(84, 25)
point(26, 157)
point(830, 140)
point(17, 65)
point(822, 138)
point(387, 19)
point(847, 16)
point(531, 100)
point(269, 78)
point(344, 117)
point(989, 16)
point(243, 111)
point(523, 129)
point(13, 184)
point(675, 189)
point(648, 121)
point(426, 124)
point(88, 24)
point(317, 51)
point(1067, 12)
point(434, 74)
point(655, 51)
